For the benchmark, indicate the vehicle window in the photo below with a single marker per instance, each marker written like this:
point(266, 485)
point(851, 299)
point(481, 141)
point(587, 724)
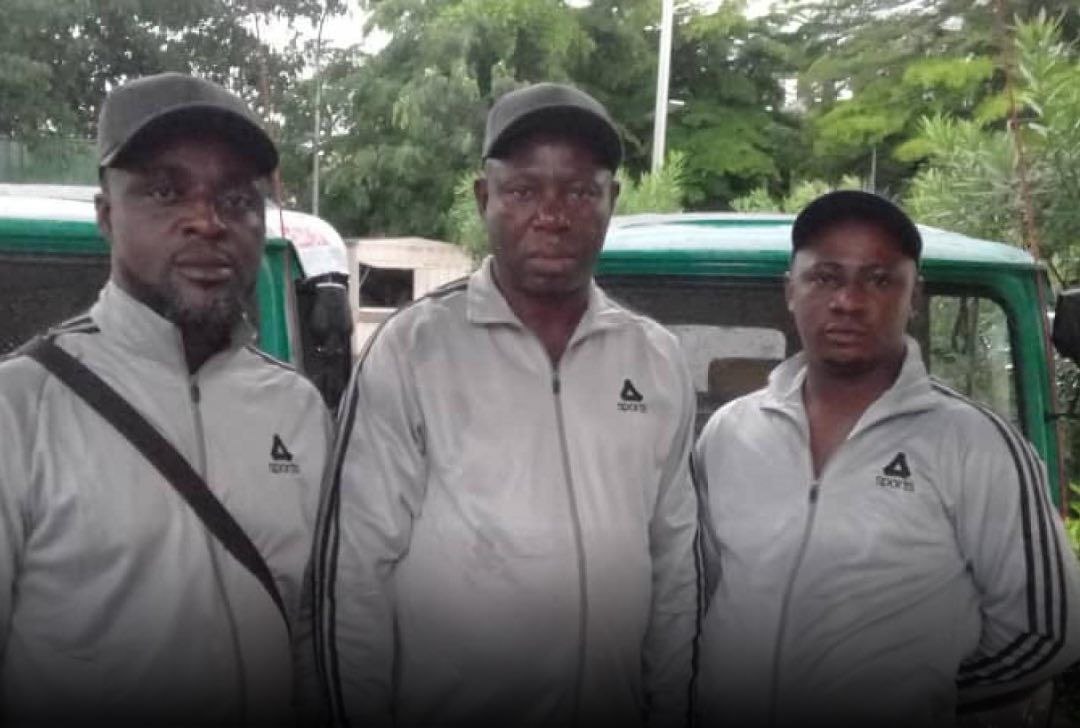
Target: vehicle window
point(40, 291)
point(970, 349)
point(734, 332)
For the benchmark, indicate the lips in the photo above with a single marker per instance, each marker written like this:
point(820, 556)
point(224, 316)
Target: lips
point(845, 334)
point(552, 261)
point(206, 270)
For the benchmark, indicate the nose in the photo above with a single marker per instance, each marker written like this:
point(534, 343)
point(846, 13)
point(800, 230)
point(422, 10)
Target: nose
point(848, 298)
point(551, 212)
point(203, 218)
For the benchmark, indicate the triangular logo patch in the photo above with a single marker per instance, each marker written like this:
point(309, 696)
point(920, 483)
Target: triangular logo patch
point(278, 451)
point(629, 393)
point(898, 467)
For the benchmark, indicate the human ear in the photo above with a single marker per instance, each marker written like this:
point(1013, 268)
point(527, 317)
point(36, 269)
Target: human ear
point(102, 211)
point(480, 192)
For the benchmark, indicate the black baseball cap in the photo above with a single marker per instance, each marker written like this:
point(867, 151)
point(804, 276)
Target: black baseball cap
point(145, 108)
point(553, 107)
point(841, 206)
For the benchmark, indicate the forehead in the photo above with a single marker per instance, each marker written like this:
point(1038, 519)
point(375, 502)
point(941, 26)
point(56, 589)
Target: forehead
point(547, 148)
point(852, 242)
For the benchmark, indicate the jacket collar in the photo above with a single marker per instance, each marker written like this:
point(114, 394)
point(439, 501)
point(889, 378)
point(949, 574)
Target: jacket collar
point(911, 392)
point(146, 333)
point(487, 306)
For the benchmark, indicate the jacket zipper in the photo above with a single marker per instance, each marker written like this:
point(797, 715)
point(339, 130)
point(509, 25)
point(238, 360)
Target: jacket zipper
point(579, 544)
point(200, 440)
point(778, 647)
point(200, 437)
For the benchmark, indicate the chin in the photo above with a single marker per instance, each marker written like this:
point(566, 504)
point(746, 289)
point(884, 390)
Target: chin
point(847, 364)
point(214, 313)
point(556, 285)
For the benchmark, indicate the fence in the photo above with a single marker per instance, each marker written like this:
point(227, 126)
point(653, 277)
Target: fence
point(48, 160)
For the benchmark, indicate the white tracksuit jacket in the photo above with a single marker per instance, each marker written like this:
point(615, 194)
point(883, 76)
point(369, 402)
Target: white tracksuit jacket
point(504, 542)
point(117, 606)
point(926, 558)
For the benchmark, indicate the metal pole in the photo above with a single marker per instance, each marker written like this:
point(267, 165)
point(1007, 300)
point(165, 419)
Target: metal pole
point(873, 168)
point(318, 118)
point(663, 80)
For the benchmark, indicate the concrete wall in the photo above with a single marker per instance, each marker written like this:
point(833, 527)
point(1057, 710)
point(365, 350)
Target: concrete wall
point(433, 263)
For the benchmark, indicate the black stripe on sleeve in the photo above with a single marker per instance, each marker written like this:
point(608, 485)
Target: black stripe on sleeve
point(328, 536)
point(1022, 656)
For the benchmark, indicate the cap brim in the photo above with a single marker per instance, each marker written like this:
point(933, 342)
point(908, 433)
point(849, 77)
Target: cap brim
point(251, 139)
point(575, 121)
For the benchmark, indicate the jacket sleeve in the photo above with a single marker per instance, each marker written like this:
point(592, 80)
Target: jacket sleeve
point(1024, 570)
point(20, 391)
point(373, 489)
point(670, 640)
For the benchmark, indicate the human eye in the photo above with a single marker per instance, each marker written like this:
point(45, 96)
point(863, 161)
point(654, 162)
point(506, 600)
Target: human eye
point(520, 192)
point(162, 190)
point(238, 199)
point(581, 192)
point(823, 278)
point(879, 278)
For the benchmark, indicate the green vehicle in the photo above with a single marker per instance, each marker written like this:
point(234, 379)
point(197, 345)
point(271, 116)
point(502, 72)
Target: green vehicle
point(53, 262)
point(716, 280)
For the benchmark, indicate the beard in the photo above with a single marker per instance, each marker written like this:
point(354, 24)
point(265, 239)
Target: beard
point(210, 320)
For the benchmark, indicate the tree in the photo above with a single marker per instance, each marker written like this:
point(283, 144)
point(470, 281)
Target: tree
point(973, 182)
point(732, 128)
point(58, 59)
point(799, 196)
point(872, 69)
point(408, 120)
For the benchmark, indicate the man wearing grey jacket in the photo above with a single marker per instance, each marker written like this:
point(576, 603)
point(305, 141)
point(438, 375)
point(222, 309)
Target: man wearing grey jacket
point(150, 563)
point(507, 539)
point(878, 547)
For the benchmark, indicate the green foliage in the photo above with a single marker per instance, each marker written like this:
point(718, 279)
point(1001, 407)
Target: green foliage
point(732, 127)
point(464, 221)
point(391, 167)
point(757, 200)
point(969, 185)
point(973, 181)
point(1072, 523)
point(870, 70)
point(662, 191)
point(798, 196)
point(59, 58)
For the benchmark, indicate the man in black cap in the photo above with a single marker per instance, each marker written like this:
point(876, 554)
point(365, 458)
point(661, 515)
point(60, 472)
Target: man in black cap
point(153, 542)
point(874, 541)
point(507, 537)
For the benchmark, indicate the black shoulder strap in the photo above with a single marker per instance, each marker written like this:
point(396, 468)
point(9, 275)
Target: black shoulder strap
point(160, 452)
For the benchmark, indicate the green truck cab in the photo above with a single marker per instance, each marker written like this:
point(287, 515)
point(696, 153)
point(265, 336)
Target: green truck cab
point(716, 280)
point(53, 262)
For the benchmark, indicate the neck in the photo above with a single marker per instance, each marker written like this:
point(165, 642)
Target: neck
point(553, 319)
point(848, 392)
point(201, 344)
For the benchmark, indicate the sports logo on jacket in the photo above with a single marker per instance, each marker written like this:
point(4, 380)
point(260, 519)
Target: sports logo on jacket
point(281, 460)
point(897, 474)
point(630, 399)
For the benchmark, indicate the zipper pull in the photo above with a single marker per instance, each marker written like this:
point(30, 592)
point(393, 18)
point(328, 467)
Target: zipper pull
point(195, 392)
point(555, 385)
point(814, 488)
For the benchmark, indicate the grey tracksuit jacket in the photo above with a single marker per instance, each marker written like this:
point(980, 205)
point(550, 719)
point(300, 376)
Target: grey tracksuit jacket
point(927, 559)
point(505, 542)
point(116, 604)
